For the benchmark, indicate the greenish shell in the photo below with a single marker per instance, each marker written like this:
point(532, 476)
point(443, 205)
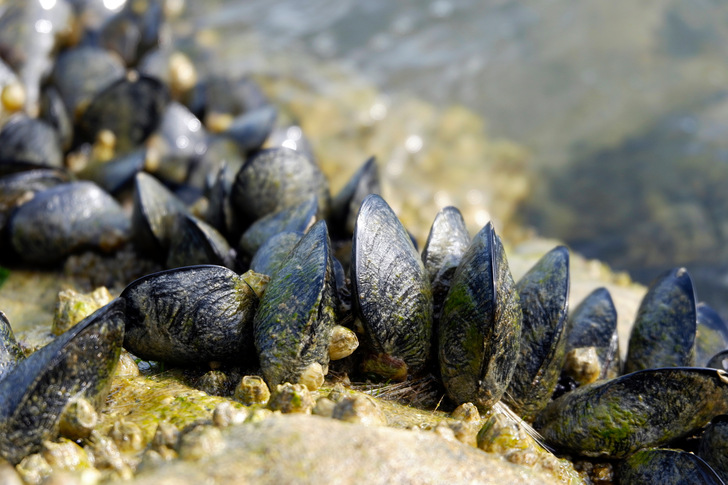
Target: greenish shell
point(667, 467)
point(480, 327)
point(293, 325)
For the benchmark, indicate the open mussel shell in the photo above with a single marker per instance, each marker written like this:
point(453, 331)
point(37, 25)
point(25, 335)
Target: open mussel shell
point(297, 218)
point(714, 446)
point(30, 140)
point(480, 326)
point(390, 291)
point(297, 313)
point(446, 244)
point(345, 205)
point(194, 242)
point(593, 323)
point(154, 214)
point(274, 251)
point(65, 219)
point(712, 334)
point(80, 74)
point(544, 293)
point(77, 364)
point(190, 315)
point(274, 179)
point(130, 108)
point(648, 408)
point(10, 352)
point(667, 467)
point(663, 334)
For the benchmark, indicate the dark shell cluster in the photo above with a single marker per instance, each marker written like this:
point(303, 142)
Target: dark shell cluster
point(268, 271)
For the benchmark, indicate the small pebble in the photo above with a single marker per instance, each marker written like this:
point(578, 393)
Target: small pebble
point(33, 469)
point(226, 414)
point(359, 409)
point(127, 436)
point(466, 412)
point(201, 441)
point(324, 407)
point(166, 436)
point(8, 475)
point(291, 398)
point(127, 366)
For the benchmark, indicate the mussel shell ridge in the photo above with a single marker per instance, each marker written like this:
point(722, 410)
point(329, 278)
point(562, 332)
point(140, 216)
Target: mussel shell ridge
point(293, 324)
point(480, 327)
point(391, 290)
point(195, 314)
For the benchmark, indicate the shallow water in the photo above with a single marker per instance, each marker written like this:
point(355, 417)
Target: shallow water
point(622, 105)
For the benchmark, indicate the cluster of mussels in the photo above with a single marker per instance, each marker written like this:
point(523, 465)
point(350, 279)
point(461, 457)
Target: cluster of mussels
point(118, 109)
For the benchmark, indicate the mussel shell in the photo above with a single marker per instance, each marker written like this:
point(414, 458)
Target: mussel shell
point(297, 311)
point(155, 210)
point(446, 244)
point(14, 188)
point(30, 140)
point(712, 334)
point(80, 74)
point(647, 408)
point(194, 242)
point(663, 334)
point(250, 130)
point(345, 205)
point(65, 219)
point(219, 212)
point(273, 252)
point(714, 446)
point(593, 323)
point(297, 218)
point(390, 289)
point(190, 315)
point(274, 179)
point(719, 361)
point(10, 352)
point(114, 174)
point(544, 293)
point(130, 108)
point(133, 31)
point(54, 112)
point(225, 95)
point(480, 326)
point(667, 467)
point(78, 363)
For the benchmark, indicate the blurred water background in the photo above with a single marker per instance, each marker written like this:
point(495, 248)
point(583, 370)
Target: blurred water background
point(621, 106)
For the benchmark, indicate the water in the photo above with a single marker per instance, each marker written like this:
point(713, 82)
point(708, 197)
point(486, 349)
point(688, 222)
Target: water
point(622, 105)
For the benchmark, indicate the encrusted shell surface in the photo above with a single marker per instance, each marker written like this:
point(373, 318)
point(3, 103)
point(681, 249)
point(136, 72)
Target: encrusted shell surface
point(10, 352)
point(667, 467)
point(647, 408)
point(480, 326)
point(390, 288)
point(195, 314)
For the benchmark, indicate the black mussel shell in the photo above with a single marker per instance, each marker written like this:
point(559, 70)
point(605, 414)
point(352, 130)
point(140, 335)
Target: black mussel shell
point(130, 108)
point(544, 293)
point(10, 352)
point(719, 361)
point(648, 408)
point(190, 315)
point(250, 129)
point(274, 179)
point(391, 292)
point(224, 95)
point(65, 219)
point(446, 244)
point(712, 334)
point(133, 31)
point(114, 174)
point(480, 326)
point(593, 323)
point(154, 214)
point(30, 140)
point(15, 188)
point(297, 313)
point(273, 252)
point(663, 334)
point(667, 467)
point(80, 74)
point(193, 241)
point(54, 112)
point(297, 218)
point(219, 212)
point(345, 205)
point(714, 446)
point(78, 363)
